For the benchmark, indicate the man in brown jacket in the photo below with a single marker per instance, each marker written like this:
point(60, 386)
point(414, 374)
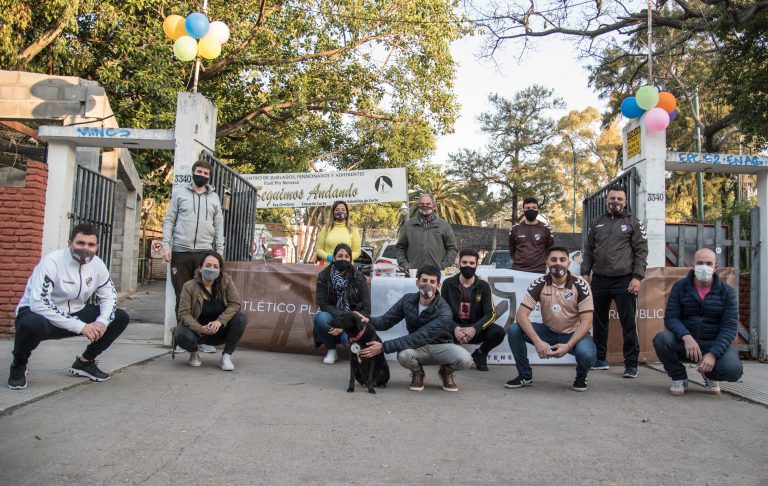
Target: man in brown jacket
point(530, 240)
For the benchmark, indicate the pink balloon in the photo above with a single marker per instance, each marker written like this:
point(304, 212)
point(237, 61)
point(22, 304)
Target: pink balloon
point(656, 119)
point(220, 31)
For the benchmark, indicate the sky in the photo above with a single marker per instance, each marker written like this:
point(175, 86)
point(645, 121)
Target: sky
point(553, 64)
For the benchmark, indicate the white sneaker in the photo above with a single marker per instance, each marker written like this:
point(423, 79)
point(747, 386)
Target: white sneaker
point(711, 386)
point(178, 349)
point(226, 362)
point(330, 357)
point(678, 387)
point(207, 348)
point(194, 359)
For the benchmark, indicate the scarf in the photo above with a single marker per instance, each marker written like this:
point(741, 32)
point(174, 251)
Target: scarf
point(339, 284)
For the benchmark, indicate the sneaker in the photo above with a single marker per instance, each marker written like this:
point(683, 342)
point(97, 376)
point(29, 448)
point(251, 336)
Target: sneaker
point(178, 350)
point(330, 357)
point(519, 382)
point(600, 364)
point(630, 372)
point(580, 383)
point(678, 387)
point(194, 359)
point(417, 380)
point(226, 362)
point(480, 359)
point(88, 369)
point(207, 348)
point(711, 386)
point(17, 379)
point(446, 375)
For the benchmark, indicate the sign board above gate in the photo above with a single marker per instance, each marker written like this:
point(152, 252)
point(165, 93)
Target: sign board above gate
point(305, 189)
point(717, 163)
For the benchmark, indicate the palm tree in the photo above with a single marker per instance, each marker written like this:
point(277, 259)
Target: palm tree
point(451, 204)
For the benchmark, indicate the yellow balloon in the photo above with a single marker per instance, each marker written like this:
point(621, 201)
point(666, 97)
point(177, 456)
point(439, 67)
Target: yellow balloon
point(173, 26)
point(209, 47)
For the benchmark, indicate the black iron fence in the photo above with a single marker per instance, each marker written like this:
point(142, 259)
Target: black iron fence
point(93, 202)
point(594, 205)
point(238, 199)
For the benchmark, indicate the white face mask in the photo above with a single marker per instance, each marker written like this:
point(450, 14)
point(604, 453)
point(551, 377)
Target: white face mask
point(703, 272)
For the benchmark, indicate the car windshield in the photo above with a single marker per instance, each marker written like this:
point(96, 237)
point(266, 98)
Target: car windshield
point(389, 252)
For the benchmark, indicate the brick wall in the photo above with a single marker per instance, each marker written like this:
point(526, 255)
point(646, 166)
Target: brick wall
point(22, 211)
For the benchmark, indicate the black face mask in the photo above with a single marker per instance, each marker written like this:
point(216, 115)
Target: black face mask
point(558, 271)
point(468, 272)
point(531, 214)
point(342, 265)
point(615, 207)
point(339, 217)
point(199, 180)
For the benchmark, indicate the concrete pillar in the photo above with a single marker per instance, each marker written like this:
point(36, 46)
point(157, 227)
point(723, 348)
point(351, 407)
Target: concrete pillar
point(762, 203)
point(650, 162)
point(195, 131)
point(58, 196)
point(89, 157)
point(132, 205)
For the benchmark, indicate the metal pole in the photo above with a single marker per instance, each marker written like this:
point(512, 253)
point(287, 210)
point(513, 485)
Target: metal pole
point(574, 189)
point(699, 179)
point(650, 42)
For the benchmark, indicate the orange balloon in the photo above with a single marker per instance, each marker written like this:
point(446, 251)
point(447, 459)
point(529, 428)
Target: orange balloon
point(173, 26)
point(667, 101)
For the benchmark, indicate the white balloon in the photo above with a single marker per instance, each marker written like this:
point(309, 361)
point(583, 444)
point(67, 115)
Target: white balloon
point(219, 30)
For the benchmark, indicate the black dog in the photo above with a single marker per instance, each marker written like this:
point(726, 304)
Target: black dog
point(369, 372)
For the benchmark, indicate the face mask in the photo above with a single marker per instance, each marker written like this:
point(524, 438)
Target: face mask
point(339, 216)
point(614, 207)
point(82, 255)
point(468, 272)
point(427, 291)
point(342, 265)
point(210, 274)
point(558, 271)
point(703, 272)
point(530, 214)
point(426, 212)
point(200, 181)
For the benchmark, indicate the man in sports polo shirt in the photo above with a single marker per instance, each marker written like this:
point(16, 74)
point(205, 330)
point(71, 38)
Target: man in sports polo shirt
point(566, 309)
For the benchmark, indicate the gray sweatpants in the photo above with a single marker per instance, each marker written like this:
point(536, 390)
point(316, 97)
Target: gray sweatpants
point(452, 355)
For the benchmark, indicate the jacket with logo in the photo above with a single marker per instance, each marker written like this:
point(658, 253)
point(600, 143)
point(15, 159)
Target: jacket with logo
point(481, 311)
point(432, 326)
point(616, 246)
point(194, 221)
point(528, 246)
point(60, 286)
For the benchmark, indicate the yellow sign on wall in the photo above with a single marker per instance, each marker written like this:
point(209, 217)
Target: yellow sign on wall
point(633, 142)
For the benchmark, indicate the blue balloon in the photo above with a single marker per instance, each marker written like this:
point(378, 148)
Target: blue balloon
point(196, 25)
point(672, 115)
point(630, 109)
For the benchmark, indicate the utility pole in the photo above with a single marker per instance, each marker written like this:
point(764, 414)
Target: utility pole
point(699, 178)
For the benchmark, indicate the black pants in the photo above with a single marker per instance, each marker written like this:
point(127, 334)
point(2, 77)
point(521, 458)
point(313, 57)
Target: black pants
point(229, 335)
point(488, 338)
point(183, 266)
point(604, 290)
point(32, 329)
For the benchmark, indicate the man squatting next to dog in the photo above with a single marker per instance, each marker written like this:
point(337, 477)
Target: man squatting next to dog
point(193, 224)
point(530, 240)
point(54, 306)
point(429, 341)
point(701, 320)
point(471, 302)
point(566, 309)
point(616, 254)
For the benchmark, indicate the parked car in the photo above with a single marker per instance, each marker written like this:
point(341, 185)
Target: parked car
point(387, 253)
point(386, 262)
point(364, 262)
point(500, 258)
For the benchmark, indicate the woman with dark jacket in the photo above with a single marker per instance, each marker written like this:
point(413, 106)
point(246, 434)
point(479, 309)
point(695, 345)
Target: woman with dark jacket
point(209, 312)
point(340, 288)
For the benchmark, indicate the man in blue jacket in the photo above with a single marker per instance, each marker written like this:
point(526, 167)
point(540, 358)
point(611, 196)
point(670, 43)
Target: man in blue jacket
point(702, 319)
point(429, 341)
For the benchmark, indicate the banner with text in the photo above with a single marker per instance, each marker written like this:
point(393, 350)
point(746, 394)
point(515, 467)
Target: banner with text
point(297, 190)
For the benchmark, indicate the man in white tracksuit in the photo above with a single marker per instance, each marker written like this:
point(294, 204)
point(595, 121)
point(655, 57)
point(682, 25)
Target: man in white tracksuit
point(54, 306)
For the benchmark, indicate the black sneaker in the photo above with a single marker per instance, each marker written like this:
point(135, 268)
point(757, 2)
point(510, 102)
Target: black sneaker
point(88, 370)
point(17, 380)
point(519, 382)
point(580, 383)
point(480, 359)
point(630, 372)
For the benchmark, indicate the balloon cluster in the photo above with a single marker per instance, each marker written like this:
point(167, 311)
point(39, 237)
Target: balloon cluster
point(195, 36)
point(658, 109)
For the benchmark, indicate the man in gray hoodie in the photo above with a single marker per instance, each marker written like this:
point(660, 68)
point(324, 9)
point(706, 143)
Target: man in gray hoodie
point(194, 224)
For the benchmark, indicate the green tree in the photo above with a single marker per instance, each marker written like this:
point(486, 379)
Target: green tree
point(451, 203)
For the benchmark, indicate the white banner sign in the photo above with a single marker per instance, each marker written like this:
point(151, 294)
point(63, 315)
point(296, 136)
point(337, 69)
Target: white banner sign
point(296, 190)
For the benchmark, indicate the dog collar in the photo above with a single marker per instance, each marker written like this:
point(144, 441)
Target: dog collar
point(358, 336)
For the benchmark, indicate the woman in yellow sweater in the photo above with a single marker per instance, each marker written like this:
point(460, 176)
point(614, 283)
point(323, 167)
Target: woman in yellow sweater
point(339, 230)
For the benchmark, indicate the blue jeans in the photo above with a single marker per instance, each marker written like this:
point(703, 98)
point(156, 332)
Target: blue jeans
point(322, 326)
point(671, 353)
point(584, 351)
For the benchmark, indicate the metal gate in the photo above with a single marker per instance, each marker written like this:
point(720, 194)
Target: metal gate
point(93, 202)
point(594, 205)
point(238, 200)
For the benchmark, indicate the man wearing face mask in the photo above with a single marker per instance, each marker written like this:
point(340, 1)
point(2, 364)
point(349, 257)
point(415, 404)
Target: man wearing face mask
point(55, 305)
point(615, 255)
point(530, 240)
point(701, 320)
point(429, 340)
point(426, 239)
point(471, 302)
point(566, 309)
